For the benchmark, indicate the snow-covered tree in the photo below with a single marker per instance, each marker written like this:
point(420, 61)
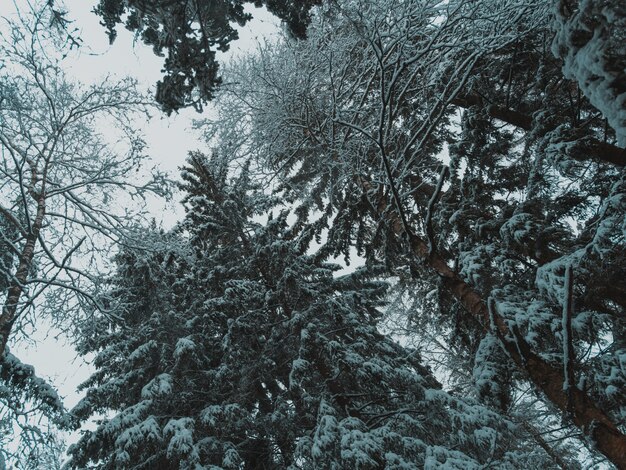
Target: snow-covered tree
point(357, 122)
point(191, 33)
point(590, 40)
point(64, 189)
point(31, 415)
point(59, 181)
point(238, 348)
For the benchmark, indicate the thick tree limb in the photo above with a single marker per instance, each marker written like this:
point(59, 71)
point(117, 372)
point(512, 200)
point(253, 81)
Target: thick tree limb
point(585, 149)
point(431, 207)
point(509, 116)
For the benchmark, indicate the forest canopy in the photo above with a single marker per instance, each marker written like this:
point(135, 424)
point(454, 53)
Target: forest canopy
point(191, 32)
point(403, 243)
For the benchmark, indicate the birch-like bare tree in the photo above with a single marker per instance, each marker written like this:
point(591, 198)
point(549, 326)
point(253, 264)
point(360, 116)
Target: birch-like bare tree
point(71, 188)
point(70, 179)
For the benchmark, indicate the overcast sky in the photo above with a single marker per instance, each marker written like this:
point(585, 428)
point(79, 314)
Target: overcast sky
point(168, 138)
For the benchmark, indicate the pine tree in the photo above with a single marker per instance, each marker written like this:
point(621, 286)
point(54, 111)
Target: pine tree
point(354, 122)
point(191, 33)
point(241, 349)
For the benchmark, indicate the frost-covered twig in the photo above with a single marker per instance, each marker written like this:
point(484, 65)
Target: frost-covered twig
point(429, 210)
point(544, 444)
point(568, 348)
point(518, 354)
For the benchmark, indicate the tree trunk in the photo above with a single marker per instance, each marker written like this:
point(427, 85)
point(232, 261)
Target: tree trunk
point(16, 287)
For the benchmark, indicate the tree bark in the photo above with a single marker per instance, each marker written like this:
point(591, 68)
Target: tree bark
point(16, 287)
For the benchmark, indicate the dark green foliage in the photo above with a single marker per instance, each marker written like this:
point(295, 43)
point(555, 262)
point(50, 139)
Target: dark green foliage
point(239, 349)
point(530, 190)
point(189, 33)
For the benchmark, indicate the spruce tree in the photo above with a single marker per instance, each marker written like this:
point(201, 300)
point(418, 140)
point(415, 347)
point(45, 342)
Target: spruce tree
point(354, 126)
point(191, 33)
point(239, 348)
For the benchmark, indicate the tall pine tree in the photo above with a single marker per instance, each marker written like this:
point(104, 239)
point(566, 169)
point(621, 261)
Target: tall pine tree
point(360, 122)
point(238, 348)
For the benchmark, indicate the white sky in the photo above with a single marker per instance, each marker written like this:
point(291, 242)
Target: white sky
point(169, 139)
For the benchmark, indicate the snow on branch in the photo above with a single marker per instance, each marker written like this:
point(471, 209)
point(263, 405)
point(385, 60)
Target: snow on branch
point(431, 206)
point(568, 348)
